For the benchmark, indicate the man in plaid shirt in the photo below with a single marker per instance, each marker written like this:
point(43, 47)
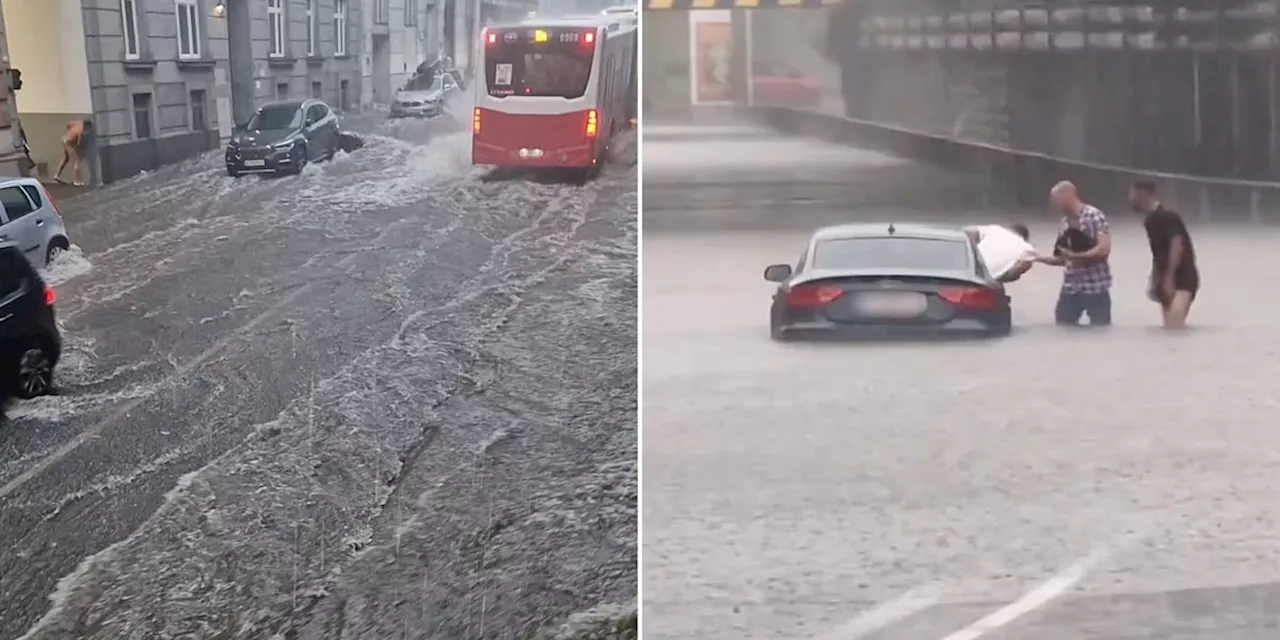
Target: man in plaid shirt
point(1083, 249)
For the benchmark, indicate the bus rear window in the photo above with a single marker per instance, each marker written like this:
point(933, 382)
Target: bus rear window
point(538, 70)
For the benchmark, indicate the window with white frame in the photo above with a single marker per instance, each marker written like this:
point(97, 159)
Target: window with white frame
point(129, 20)
point(275, 24)
point(311, 28)
point(340, 27)
point(380, 11)
point(188, 14)
point(410, 13)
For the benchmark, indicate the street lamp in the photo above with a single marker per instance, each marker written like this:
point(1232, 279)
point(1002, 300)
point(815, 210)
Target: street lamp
point(219, 9)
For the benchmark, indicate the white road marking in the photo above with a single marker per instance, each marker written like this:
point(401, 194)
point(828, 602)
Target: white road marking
point(1032, 600)
point(883, 615)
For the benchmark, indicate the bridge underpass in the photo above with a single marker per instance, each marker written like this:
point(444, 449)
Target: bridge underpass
point(1110, 484)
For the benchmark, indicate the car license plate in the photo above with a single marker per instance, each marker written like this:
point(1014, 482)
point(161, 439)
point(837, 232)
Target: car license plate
point(255, 163)
point(892, 305)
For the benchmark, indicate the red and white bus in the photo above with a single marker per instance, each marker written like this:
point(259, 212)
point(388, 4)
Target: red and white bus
point(551, 93)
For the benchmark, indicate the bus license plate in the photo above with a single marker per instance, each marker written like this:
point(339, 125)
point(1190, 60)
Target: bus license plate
point(255, 163)
point(892, 305)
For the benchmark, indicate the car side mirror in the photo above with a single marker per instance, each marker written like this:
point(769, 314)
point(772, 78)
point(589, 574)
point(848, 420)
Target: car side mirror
point(777, 272)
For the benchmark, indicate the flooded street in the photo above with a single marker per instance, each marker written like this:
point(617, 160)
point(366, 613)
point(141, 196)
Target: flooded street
point(384, 398)
point(1053, 485)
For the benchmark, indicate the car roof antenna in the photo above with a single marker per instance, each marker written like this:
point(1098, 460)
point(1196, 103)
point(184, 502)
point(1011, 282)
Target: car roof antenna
point(892, 230)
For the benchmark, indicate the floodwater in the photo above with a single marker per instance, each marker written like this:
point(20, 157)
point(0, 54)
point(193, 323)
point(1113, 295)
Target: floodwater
point(1054, 484)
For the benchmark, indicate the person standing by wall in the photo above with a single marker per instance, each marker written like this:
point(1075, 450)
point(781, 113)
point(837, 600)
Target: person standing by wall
point(72, 144)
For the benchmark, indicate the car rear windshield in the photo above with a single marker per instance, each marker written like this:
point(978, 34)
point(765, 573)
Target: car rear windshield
point(276, 118)
point(554, 68)
point(892, 253)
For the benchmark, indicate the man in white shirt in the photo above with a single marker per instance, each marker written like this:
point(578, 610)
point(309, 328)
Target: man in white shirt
point(1006, 250)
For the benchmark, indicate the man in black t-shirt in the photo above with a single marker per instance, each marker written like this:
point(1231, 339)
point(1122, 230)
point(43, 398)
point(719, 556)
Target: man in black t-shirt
point(1175, 279)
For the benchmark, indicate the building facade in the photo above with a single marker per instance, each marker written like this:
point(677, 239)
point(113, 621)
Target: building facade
point(396, 39)
point(289, 49)
point(11, 155)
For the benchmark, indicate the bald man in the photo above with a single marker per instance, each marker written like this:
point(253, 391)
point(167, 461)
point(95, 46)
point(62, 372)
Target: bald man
point(1083, 250)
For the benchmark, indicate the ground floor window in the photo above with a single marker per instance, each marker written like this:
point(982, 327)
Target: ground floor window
point(282, 90)
point(142, 116)
point(317, 91)
point(199, 121)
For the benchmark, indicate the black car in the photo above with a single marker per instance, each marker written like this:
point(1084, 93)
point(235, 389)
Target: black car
point(282, 137)
point(871, 280)
point(30, 344)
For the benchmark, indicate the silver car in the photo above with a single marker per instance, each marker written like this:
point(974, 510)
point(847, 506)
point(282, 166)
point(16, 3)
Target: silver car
point(30, 219)
point(423, 98)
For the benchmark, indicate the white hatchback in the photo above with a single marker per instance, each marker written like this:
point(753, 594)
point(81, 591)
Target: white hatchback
point(30, 219)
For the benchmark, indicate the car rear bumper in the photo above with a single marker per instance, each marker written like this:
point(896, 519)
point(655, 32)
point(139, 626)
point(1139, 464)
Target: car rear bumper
point(503, 156)
point(956, 328)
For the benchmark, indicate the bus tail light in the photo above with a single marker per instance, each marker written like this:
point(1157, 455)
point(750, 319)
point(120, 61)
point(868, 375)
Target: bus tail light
point(589, 37)
point(592, 123)
point(475, 121)
point(490, 37)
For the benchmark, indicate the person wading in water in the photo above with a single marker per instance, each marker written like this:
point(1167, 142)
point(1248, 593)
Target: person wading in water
point(71, 144)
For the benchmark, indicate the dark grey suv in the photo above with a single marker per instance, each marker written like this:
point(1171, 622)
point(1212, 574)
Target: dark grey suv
point(282, 137)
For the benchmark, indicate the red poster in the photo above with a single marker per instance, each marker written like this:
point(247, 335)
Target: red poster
point(713, 48)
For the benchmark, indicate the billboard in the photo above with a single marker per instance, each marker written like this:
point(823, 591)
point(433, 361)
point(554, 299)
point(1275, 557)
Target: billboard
point(710, 55)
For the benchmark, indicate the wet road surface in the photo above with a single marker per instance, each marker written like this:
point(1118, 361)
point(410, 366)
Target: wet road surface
point(383, 399)
point(1053, 485)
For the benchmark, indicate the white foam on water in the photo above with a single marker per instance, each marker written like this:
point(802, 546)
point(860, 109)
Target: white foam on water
point(67, 265)
point(386, 173)
point(54, 409)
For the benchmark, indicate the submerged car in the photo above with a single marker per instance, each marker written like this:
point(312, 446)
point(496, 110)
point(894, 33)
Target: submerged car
point(30, 344)
point(31, 221)
point(282, 137)
point(871, 280)
point(424, 97)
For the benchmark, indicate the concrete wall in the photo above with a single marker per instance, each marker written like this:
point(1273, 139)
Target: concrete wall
point(158, 76)
point(48, 49)
point(12, 162)
point(665, 65)
point(295, 71)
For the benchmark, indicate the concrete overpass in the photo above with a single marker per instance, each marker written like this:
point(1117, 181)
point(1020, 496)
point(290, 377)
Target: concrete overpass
point(1190, 89)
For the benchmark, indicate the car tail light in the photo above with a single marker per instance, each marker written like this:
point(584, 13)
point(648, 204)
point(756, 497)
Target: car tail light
point(475, 120)
point(812, 296)
point(592, 123)
point(49, 296)
point(490, 37)
point(52, 203)
point(971, 297)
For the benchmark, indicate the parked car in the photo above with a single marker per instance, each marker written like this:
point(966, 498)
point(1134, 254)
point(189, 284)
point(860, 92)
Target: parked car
point(424, 97)
point(282, 137)
point(777, 84)
point(30, 344)
point(30, 220)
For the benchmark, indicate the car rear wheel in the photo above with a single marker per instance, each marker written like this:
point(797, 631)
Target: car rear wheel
point(32, 372)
